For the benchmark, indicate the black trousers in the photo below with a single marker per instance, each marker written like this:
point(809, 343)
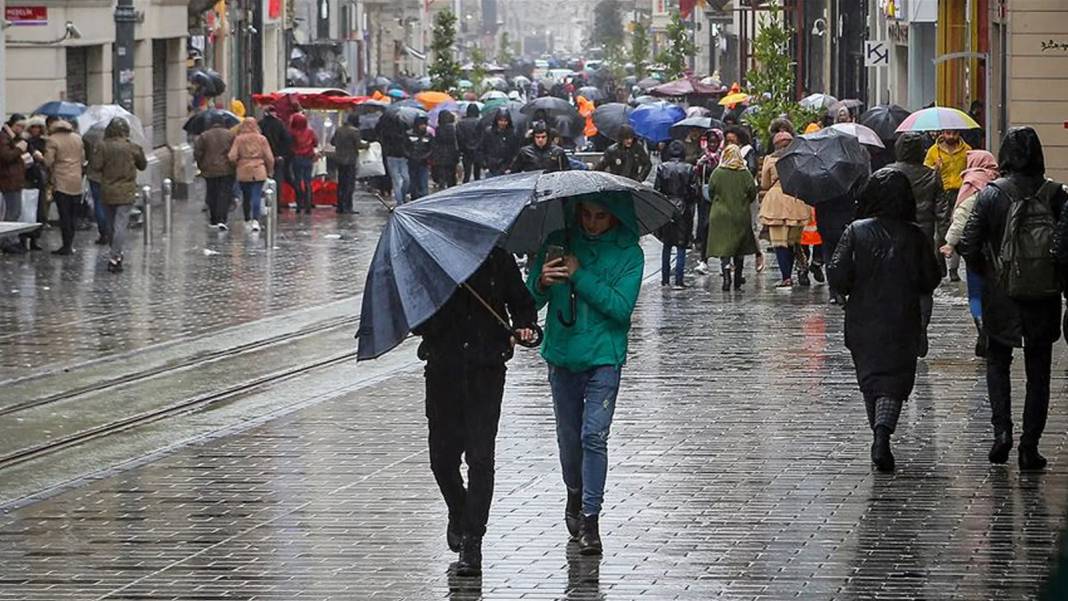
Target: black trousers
point(445, 175)
point(219, 194)
point(67, 205)
point(1038, 360)
point(346, 186)
point(472, 166)
point(463, 408)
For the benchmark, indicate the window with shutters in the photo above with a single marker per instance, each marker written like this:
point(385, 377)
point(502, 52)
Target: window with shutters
point(159, 92)
point(78, 74)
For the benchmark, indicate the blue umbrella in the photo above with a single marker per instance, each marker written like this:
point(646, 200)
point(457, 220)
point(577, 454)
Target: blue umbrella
point(653, 121)
point(430, 247)
point(61, 109)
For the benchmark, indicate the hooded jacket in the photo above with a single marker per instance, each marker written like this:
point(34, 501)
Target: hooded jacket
point(64, 156)
point(606, 288)
point(444, 149)
point(1010, 321)
point(12, 166)
point(546, 158)
point(347, 142)
point(277, 135)
point(676, 179)
point(394, 137)
point(118, 160)
point(211, 151)
point(885, 263)
point(499, 147)
point(251, 153)
point(630, 162)
point(469, 133)
point(926, 183)
point(304, 139)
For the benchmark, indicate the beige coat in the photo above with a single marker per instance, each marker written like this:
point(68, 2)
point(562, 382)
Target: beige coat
point(65, 157)
point(251, 153)
point(777, 207)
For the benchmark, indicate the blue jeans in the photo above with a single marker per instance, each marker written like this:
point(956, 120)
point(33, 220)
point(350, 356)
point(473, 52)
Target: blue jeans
point(302, 182)
point(680, 264)
point(398, 174)
point(584, 403)
point(250, 199)
point(419, 174)
point(975, 292)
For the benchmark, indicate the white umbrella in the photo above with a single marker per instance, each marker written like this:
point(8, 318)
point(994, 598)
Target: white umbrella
point(99, 115)
point(864, 134)
point(494, 95)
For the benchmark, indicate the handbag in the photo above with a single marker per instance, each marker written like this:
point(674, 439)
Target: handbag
point(28, 200)
point(369, 162)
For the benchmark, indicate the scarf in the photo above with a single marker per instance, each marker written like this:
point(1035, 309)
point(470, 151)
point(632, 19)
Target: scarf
point(732, 158)
point(981, 170)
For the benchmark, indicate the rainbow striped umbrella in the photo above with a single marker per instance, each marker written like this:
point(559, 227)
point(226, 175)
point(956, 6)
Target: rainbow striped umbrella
point(937, 118)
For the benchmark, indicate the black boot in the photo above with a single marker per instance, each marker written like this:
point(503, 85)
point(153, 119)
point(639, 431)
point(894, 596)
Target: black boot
point(999, 453)
point(470, 563)
point(980, 339)
point(726, 279)
point(817, 272)
point(1030, 459)
point(453, 534)
point(880, 450)
point(573, 513)
point(739, 279)
point(590, 539)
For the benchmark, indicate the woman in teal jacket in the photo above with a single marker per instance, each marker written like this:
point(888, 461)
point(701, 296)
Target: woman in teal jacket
point(591, 293)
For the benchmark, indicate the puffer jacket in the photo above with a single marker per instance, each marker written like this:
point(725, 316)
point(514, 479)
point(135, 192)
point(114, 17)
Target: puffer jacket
point(926, 182)
point(118, 160)
point(251, 153)
point(533, 158)
point(64, 156)
point(12, 165)
point(211, 151)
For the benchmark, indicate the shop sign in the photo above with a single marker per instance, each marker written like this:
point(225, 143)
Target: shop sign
point(26, 15)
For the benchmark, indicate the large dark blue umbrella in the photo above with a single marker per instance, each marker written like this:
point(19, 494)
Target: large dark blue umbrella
point(653, 121)
point(432, 246)
point(61, 109)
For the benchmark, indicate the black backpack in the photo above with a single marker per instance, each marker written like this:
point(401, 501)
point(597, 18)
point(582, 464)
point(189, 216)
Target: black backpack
point(1024, 262)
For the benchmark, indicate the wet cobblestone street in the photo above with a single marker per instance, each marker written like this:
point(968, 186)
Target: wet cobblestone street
point(738, 459)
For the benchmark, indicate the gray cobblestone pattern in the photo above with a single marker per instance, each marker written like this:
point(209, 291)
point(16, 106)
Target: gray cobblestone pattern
point(738, 470)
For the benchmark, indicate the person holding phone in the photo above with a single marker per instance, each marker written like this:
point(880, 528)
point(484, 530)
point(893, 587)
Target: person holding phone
point(465, 349)
point(590, 288)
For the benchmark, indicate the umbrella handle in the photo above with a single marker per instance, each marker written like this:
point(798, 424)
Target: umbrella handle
point(539, 335)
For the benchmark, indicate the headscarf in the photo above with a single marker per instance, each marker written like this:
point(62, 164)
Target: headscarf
point(732, 158)
point(982, 169)
point(248, 125)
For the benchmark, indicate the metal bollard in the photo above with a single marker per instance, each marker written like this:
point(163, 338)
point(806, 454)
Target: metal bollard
point(146, 214)
point(270, 201)
point(168, 205)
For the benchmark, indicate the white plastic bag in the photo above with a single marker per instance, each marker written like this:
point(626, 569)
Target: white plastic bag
point(29, 206)
point(369, 163)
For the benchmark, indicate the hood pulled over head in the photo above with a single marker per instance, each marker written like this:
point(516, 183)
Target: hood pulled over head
point(888, 194)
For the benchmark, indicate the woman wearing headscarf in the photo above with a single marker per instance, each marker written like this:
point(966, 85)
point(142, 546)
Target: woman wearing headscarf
point(730, 223)
point(785, 216)
point(711, 146)
point(885, 264)
point(982, 168)
point(251, 153)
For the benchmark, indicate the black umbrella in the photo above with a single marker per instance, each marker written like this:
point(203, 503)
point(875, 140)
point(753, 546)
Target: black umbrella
point(202, 121)
point(645, 100)
point(590, 93)
point(608, 118)
point(405, 113)
point(821, 166)
point(430, 247)
point(552, 107)
point(884, 119)
point(683, 128)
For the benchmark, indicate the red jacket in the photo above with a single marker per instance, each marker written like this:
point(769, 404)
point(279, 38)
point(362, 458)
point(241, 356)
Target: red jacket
point(304, 140)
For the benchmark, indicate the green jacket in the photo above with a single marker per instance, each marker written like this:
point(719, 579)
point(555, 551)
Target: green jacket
point(606, 286)
point(118, 160)
point(730, 224)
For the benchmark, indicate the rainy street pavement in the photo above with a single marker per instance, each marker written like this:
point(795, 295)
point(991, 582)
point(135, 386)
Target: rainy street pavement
point(738, 459)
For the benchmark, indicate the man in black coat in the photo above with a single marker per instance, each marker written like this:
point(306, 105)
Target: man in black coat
point(541, 154)
point(926, 190)
point(885, 264)
point(281, 143)
point(676, 179)
point(347, 143)
point(626, 157)
point(466, 349)
point(469, 138)
point(1012, 322)
point(445, 151)
point(500, 143)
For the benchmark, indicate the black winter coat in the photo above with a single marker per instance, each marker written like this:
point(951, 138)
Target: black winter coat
point(1009, 321)
point(464, 331)
point(393, 136)
point(499, 148)
point(884, 266)
point(469, 136)
point(926, 189)
point(347, 143)
point(444, 151)
point(630, 162)
point(420, 147)
point(677, 180)
point(277, 135)
point(550, 158)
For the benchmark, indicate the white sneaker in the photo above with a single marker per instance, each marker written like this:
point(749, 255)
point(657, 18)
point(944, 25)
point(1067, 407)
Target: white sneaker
point(701, 268)
point(223, 227)
point(248, 226)
point(255, 226)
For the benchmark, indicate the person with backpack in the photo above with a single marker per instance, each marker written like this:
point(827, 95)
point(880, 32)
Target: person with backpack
point(1009, 238)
